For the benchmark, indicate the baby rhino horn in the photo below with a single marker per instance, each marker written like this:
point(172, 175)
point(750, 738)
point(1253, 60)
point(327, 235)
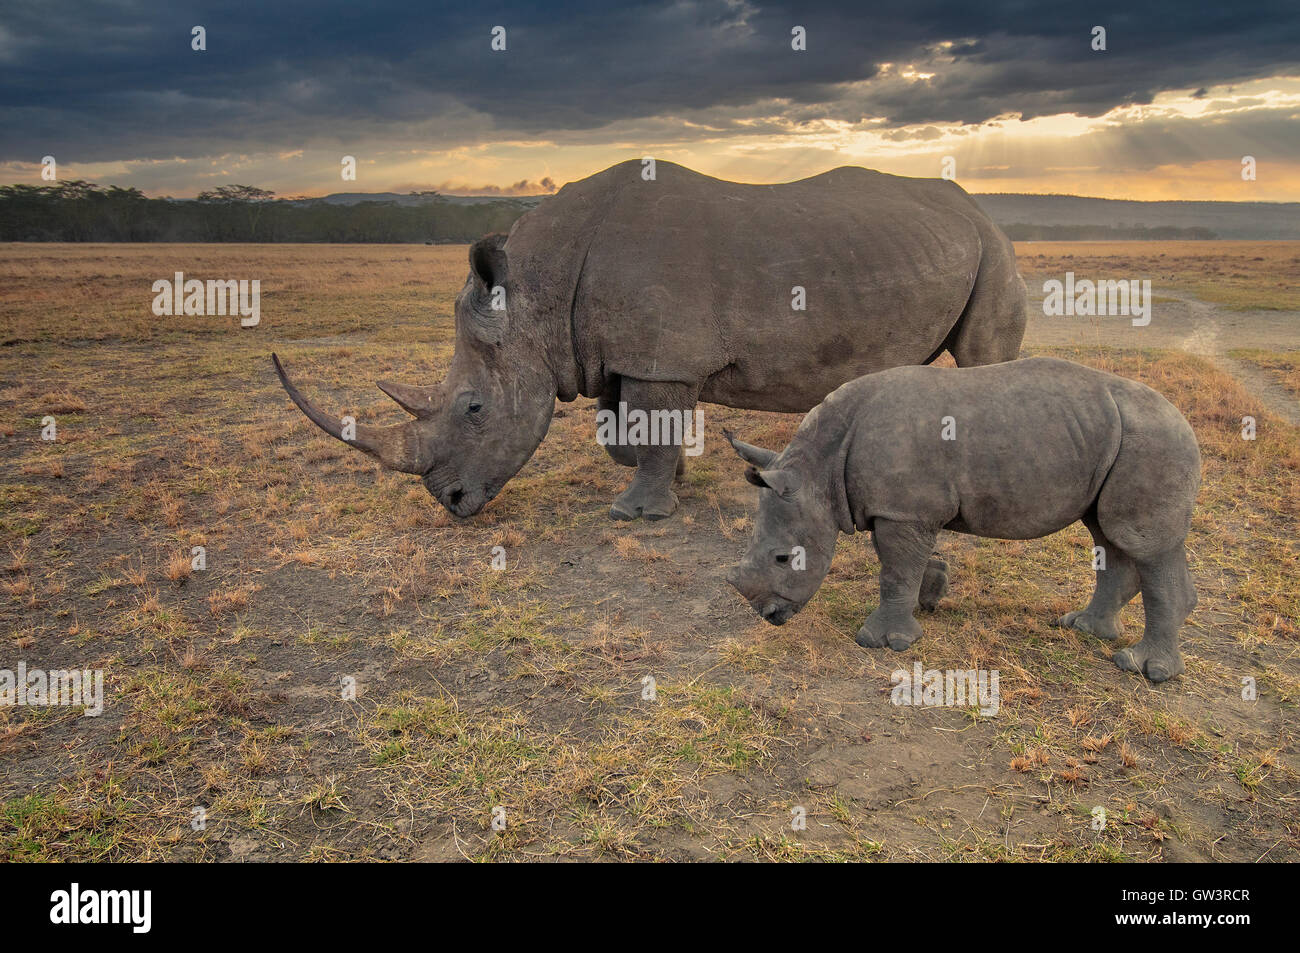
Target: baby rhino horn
point(750, 453)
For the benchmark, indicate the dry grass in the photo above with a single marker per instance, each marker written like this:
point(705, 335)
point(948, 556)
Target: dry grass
point(349, 677)
point(1238, 276)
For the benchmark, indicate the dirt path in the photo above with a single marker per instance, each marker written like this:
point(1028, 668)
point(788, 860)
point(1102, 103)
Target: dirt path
point(1261, 386)
point(1181, 322)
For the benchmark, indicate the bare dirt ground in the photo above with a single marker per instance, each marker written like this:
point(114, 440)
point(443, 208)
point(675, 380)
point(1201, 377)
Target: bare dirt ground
point(523, 691)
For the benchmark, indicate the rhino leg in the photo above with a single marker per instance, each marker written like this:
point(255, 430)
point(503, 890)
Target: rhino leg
point(1168, 597)
point(608, 401)
point(621, 453)
point(1117, 584)
point(934, 584)
point(992, 324)
point(904, 550)
point(650, 494)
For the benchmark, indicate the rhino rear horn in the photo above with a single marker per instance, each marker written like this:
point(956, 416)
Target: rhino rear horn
point(419, 402)
point(395, 447)
point(760, 458)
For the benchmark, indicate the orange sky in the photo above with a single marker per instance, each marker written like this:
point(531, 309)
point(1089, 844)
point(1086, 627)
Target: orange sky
point(1181, 146)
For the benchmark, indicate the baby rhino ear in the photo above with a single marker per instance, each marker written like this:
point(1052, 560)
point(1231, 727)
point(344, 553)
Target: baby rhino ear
point(785, 482)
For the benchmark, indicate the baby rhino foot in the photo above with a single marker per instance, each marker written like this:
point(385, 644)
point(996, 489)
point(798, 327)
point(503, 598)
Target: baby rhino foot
point(1103, 627)
point(934, 585)
point(636, 501)
point(897, 630)
point(1158, 666)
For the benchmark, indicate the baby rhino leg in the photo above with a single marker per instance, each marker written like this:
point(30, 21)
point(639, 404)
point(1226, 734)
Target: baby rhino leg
point(904, 550)
point(1168, 597)
point(1117, 584)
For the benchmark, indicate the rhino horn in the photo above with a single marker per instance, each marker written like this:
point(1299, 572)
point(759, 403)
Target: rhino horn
point(395, 447)
point(419, 402)
point(760, 458)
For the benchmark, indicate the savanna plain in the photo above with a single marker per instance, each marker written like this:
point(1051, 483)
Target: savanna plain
point(525, 688)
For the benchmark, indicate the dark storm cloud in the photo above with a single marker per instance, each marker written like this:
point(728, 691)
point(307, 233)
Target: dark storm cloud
point(120, 81)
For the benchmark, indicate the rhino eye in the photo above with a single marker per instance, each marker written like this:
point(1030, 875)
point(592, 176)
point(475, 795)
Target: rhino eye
point(474, 407)
point(783, 557)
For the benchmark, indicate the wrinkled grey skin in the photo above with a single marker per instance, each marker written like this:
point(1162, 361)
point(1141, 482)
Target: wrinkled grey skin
point(1040, 443)
point(667, 292)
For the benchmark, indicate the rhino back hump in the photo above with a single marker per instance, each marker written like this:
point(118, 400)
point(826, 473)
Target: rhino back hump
point(690, 278)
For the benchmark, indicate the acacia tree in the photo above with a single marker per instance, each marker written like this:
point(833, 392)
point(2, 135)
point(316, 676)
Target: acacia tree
point(249, 198)
point(73, 197)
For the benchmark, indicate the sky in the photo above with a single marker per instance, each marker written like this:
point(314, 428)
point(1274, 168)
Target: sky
point(1011, 94)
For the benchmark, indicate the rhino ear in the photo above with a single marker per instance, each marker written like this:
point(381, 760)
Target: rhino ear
point(750, 453)
point(487, 260)
point(784, 482)
point(488, 267)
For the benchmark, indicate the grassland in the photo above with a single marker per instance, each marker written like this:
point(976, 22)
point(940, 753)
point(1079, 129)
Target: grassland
point(528, 690)
point(1235, 276)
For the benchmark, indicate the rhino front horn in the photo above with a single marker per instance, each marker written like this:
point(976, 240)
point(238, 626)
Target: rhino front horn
point(397, 448)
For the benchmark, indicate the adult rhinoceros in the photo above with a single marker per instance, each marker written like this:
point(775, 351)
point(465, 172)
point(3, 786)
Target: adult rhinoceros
point(661, 291)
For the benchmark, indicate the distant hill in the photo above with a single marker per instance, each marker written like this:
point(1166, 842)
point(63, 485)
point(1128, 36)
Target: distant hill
point(407, 200)
point(1072, 215)
point(1026, 217)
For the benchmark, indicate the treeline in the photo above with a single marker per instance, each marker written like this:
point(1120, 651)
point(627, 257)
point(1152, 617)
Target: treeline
point(84, 212)
point(1089, 233)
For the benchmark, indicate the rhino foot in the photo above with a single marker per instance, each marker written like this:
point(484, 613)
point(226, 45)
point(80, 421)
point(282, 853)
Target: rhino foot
point(636, 502)
point(1103, 627)
point(896, 630)
point(934, 585)
point(1157, 665)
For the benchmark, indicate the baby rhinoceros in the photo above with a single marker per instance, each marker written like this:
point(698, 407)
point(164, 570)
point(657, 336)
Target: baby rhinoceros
point(1008, 451)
